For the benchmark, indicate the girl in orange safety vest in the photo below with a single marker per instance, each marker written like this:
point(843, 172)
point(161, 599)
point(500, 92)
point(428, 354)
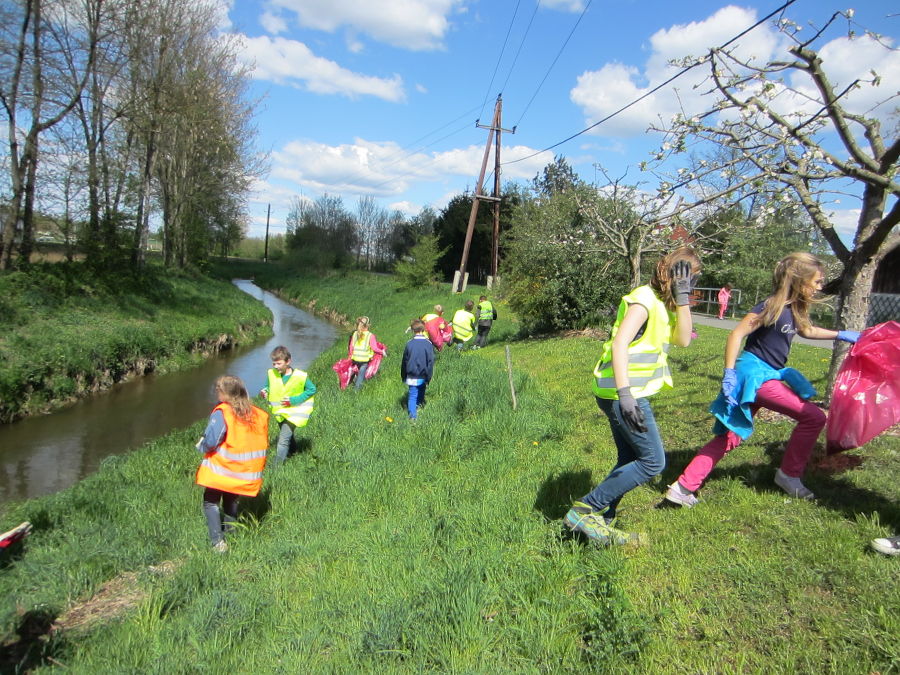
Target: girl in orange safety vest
point(234, 447)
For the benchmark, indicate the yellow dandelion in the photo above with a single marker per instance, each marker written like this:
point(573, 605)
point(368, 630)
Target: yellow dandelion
point(388, 419)
point(534, 443)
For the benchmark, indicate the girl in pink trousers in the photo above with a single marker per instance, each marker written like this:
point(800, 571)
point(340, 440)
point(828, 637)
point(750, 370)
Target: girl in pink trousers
point(759, 379)
point(724, 297)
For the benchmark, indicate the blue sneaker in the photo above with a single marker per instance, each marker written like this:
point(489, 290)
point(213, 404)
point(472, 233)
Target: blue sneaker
point(582, 518)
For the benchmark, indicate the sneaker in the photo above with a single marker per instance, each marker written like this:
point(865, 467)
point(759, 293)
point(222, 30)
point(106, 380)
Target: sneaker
point(221, 547)
point(681, 496)
point(793, 486)
point(582, 518)
point(887, 545)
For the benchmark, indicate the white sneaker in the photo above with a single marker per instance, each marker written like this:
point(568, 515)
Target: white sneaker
point(678, 495)
point(221, 547)
point(793, 486)
point(887, 545)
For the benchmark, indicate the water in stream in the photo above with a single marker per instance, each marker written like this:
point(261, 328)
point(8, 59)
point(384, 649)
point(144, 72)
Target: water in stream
point(41, 455)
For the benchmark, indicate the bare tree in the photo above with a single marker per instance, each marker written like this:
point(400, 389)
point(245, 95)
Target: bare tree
point(797, 130)
point(37, 43)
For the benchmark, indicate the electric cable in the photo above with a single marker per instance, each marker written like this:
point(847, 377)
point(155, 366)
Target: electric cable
point(521, 44)
point(657, 87)
point(500, 57)
point(556, 58)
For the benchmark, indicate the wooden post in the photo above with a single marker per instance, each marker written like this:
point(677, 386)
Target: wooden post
point(512, 387)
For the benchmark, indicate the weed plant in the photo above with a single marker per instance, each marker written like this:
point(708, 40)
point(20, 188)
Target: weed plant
point(391, 546)
point(66, 332)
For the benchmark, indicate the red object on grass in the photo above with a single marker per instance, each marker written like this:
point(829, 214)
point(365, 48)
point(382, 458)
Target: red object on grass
point(866, 397)
point(15, 534)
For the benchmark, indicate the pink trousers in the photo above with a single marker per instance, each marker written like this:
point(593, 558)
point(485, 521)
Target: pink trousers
point(777, 396)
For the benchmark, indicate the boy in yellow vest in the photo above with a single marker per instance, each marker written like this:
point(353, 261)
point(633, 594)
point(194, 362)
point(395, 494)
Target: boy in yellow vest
point(290, 395)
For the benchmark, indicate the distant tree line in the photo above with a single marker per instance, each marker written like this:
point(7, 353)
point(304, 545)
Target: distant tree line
point(120, 114)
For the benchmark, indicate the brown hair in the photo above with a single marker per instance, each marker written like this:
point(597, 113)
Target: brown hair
point(661, 282)
point(791, 284)
point(232, 391)
point(280, 353)
point(417, 325)
point(469, 305)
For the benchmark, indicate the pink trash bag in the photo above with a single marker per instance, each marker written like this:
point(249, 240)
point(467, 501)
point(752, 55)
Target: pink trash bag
point(345, 370)
point(866, 398)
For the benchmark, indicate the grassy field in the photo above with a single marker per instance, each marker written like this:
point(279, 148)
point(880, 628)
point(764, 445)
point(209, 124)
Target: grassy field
point(391, 547)
point(65, 333)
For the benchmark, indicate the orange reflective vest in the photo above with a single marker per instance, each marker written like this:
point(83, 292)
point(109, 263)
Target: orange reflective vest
point(236, 466)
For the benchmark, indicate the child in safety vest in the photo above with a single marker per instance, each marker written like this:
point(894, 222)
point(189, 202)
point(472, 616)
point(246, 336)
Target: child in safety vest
point(417, 366)
point(290, 393)
point(437, 328)
point(633, 367)
point(234, 447)
point(365, 351)
point(759, 379)
point(463, 325)
point(486, 317)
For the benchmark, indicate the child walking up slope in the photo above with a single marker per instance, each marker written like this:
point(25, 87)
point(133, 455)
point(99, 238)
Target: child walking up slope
point(417, 366)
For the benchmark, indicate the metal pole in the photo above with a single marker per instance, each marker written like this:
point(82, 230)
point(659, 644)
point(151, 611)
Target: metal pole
point(266, 251)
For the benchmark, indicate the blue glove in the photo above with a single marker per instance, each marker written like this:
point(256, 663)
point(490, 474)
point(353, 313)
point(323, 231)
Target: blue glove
point(850, 336)
point(729, 384)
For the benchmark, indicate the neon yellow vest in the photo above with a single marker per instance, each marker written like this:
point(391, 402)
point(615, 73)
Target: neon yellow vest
point(485, 311)
point(428, 317)
point(462, 325)
point(648, 368)
point(297, 415)
point(362, 350)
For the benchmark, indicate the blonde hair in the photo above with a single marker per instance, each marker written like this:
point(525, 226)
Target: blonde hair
point(792, 284)
point(231, 390)
point(661, 282)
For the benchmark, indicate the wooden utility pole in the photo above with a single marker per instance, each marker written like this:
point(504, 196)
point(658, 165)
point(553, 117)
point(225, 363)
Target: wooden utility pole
point(459, 281)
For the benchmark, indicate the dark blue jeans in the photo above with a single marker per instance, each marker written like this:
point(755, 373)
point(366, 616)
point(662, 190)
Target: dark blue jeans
point(641, 457)
point(361, 375)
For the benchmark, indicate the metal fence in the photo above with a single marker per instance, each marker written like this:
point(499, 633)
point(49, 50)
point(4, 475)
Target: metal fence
point(706, 301)
point(882, 306)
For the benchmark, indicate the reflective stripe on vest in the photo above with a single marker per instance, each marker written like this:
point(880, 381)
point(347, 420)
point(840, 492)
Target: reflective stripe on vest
point(362, 350)
point(297, 415)
point(236, 466)
point(485, 311)
point(462, 325)
point(648, 368)
point(429, 317)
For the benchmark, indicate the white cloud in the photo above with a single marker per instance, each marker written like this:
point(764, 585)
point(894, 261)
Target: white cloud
point(845, 222)
point(421, 88)
point(273, 23)
point(222, 9)
point(410, 24)
point(601, 92)
point(290, 62)
point(384, 169)
point(406, 207)
point(565, 5)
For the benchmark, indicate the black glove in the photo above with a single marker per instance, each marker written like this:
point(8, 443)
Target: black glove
point(681, 282)
point(632, 415)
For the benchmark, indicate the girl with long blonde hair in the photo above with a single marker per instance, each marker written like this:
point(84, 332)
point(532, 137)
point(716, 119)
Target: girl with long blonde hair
point(759, 378)
point(363, 350)
point(633, 367)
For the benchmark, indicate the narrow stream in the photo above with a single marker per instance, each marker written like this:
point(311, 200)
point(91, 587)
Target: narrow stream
point(41, 455)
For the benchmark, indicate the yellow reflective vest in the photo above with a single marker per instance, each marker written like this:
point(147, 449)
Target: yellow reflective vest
point(463, 325)
point(297, 415)
point(648, 367)
point(237, 464)
point(485, 311)
point(362, 347)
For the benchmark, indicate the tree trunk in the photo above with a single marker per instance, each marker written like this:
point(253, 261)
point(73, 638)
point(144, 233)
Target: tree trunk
point(852, 311)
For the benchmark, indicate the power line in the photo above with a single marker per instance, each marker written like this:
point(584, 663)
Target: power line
point(657, 87)
point(556, 58)
point(521, 44)
point(500, 57)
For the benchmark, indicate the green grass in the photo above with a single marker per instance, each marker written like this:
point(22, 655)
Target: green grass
point(65, 333)
point(391, 547)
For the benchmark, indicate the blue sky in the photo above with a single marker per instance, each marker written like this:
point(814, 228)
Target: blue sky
point(380, 97)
